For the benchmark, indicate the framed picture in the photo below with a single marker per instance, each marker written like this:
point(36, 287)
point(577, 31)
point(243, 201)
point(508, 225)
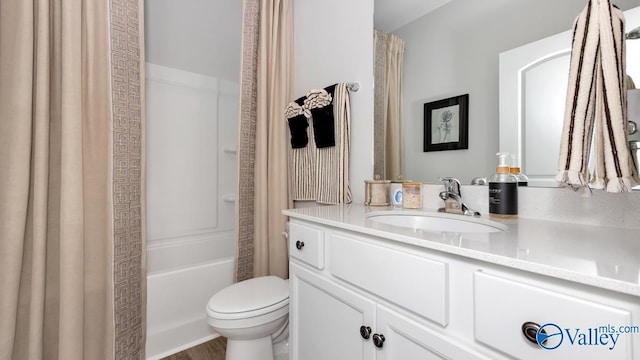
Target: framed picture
point(446, 124)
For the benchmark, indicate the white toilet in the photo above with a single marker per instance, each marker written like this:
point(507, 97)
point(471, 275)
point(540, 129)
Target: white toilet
point(254, 317)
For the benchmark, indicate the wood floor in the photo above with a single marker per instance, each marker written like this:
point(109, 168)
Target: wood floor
point(211, 350)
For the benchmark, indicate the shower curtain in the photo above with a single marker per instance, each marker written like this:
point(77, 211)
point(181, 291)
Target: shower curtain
point(72, 249)
point(266, 83)
point(389, 70)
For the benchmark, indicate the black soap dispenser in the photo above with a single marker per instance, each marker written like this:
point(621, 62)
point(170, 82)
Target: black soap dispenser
point(503, 191)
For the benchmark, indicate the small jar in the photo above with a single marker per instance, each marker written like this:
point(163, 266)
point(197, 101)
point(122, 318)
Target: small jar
point(376, 192)
point(412, 195)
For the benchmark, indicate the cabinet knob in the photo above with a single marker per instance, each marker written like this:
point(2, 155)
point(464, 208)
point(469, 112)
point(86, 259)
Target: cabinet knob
point(299, 244)
point(378, 340)
point(365, 332)
point(530, 332)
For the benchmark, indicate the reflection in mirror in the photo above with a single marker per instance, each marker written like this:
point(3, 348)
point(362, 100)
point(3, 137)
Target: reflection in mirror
point(454, 50)
point(388, 73)
point(533, 86)
point(537, 72)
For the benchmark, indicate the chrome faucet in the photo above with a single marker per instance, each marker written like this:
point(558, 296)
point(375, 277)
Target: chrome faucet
point(452, 198)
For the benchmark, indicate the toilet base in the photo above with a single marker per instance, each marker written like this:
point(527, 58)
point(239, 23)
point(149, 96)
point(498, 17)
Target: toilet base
point(257, 349)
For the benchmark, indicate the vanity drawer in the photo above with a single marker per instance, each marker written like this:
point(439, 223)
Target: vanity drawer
point(410, 281)
point(502, 306)
point(306, 244)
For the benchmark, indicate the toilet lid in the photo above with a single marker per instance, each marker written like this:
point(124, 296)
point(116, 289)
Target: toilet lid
point(250, 295)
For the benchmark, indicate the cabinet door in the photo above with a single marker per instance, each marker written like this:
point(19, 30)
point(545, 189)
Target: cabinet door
point(407, 339)
point(576, 328)
point(325, 319)
point(428, 294)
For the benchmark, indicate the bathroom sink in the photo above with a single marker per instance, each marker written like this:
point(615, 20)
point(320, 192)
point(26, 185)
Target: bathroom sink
point(440, 222)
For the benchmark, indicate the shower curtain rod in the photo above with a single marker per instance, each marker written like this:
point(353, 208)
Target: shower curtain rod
point(353, 86)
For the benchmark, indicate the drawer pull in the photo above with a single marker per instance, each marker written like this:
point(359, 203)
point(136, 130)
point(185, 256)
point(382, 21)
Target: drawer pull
point(299, 244)
point(365, 332)
point(530, 332)
point(378, 340)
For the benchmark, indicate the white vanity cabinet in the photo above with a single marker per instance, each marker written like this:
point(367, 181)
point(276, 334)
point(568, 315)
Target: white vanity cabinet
point(359, 296)
point(409, 338)
point(329, 321)
point(326, 319)
point(505, 303)
point(352, 301)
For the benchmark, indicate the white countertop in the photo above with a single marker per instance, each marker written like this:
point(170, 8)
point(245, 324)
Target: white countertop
point(600, 256)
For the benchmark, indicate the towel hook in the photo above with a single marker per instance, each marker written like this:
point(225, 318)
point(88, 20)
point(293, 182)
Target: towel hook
point(353, 86)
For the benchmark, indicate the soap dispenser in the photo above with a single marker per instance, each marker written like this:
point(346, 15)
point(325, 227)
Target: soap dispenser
point(503, 190)
point(514, 169)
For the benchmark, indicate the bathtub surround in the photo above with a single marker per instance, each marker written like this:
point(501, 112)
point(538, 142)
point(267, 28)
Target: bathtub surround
point(266, 81)
point(193, 60)
point(72, 255)
point(191, 169)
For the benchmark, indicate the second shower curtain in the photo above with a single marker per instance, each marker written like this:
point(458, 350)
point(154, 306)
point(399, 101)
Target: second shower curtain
point(267, 63)
point(389, 70)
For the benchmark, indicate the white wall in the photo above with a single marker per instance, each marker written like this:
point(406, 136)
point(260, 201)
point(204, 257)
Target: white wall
point(200, 36)
point(454, 51)
point(333, 42)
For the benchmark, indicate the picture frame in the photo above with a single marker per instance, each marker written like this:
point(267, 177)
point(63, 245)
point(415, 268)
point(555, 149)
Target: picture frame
point(446, 124)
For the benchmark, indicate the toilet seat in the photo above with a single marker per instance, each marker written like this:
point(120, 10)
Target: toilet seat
point(250, 298)
point(249, 314)
point(252, 314)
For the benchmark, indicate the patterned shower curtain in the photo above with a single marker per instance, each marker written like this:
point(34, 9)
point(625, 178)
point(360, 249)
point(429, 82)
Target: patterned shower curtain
point(266, 82)
point(73, 251)
point(388, 74)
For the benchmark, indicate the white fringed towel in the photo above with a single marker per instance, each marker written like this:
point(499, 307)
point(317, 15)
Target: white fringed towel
point(332, 167)
point(596, 99)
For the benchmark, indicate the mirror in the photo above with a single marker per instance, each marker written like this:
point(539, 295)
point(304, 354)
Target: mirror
point(533, 86)
point(454, 50)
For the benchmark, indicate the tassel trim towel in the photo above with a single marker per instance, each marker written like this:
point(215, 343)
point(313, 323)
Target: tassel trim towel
point(322, 174)
point(297, 119)
point(321, 106)
point(317, 105)
point(596, 103)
